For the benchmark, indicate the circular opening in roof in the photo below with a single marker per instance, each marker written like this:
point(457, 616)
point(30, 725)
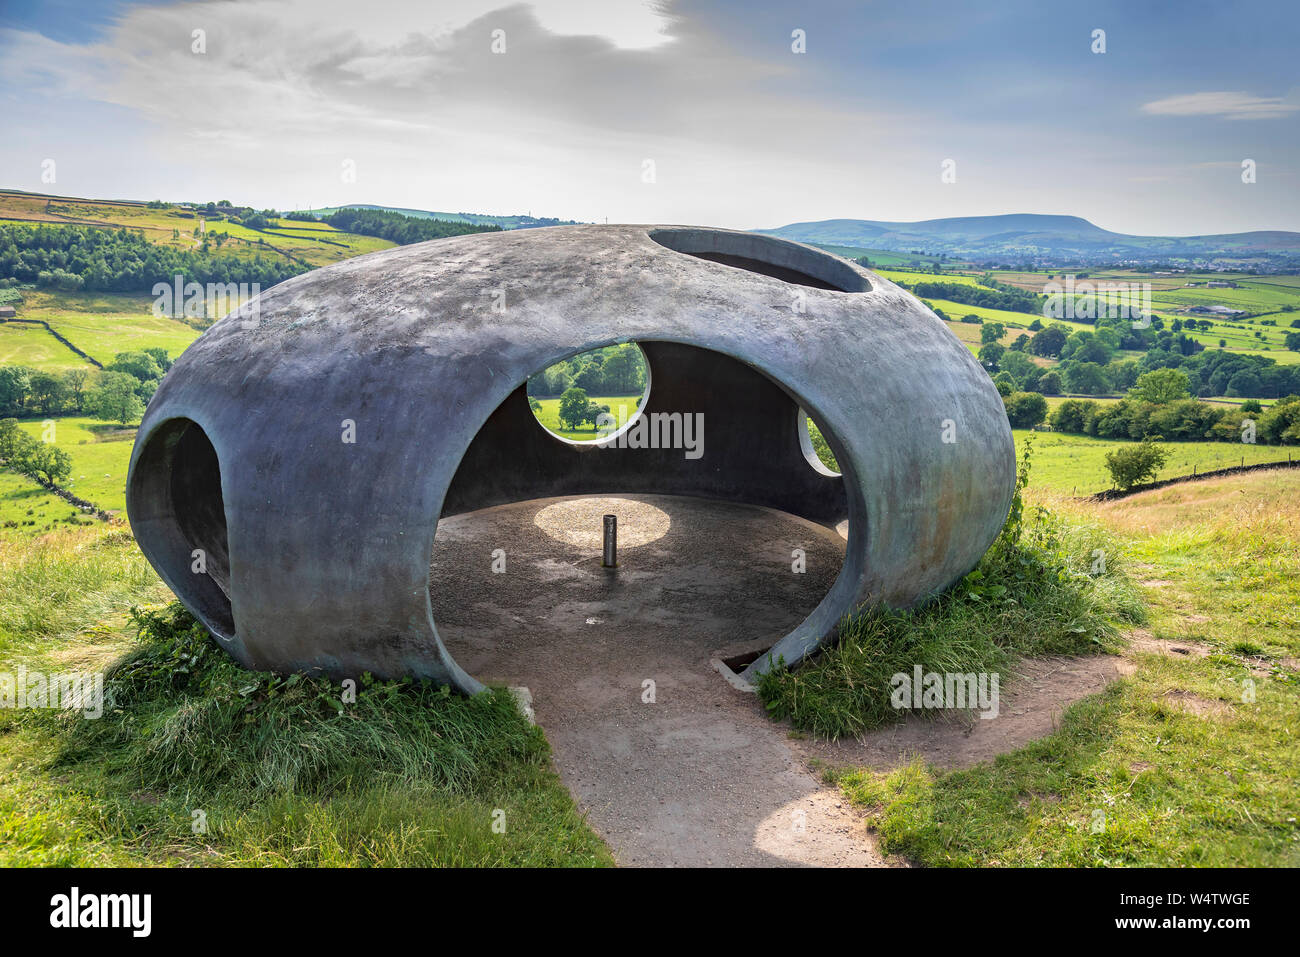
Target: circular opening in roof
point(591, 396)
point(765, 255)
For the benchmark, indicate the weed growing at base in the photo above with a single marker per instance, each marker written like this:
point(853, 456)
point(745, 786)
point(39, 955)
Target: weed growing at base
point(1039, 590)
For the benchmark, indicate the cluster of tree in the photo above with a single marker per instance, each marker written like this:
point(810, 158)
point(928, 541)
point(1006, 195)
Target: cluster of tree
point(576, 409)
point(612, 370)
point(1216, 372)
point(1159, 408)
point(399, 228)
point(117, 393)
point(25, 454)
point(1003, 296)
point(1109, 336)
point(1025, 409)
point(1016, 372)
point(263, 220)
point(121, 260)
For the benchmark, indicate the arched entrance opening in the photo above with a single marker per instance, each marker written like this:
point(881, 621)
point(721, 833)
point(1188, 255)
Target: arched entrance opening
point(728, 540)
point(178, 514)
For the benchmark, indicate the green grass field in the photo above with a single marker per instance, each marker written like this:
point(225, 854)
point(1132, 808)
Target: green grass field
point(27, 509)
point(1076, 464)
point(621, 407)
point(104, 324)
point(31, 345)
point(100, 453)
point(103, 336)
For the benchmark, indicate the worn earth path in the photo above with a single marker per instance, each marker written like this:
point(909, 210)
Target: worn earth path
point(672, 764)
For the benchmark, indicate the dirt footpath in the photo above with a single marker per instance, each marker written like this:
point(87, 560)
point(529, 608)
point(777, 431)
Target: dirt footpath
point(673, 765)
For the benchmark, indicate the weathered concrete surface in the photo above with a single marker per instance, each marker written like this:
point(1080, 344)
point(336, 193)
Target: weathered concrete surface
point(697, 775)
point(315, 556)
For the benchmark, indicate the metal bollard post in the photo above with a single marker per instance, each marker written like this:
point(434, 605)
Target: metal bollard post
point(610, 557)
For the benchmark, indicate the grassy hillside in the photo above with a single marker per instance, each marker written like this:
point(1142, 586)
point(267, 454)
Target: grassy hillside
point(32, 345)
point(314, 244)
point(104, 324)
point(1191, 759)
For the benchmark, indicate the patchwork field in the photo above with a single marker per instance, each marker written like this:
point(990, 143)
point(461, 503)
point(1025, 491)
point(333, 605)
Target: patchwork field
point(317, 244)
point(1272, 302)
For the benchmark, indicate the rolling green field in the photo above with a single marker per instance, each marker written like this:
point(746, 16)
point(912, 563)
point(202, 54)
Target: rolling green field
point(1264, 297)
point(26, 509)
point(104, 324)
point(103, 336)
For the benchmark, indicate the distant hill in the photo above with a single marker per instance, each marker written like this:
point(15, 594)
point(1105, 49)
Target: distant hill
point(477, 219)
point(1049, 239)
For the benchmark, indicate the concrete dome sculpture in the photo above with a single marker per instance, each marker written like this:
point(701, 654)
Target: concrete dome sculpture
point(290, 472)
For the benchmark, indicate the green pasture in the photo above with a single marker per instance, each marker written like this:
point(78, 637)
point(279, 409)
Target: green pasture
point(27, 344)
point(1076, 464)
point(620, 406)
point(104, 336)
point(100, 453)
point(27, 509)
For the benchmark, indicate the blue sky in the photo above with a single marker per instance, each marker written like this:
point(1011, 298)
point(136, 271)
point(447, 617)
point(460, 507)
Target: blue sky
point(667, 112)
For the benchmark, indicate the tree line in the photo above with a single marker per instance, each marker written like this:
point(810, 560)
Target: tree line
point(611, 370)
point(73, 258)
point(1009, 298)
point(395, 227)
point(116, 393)
point(1160, 408)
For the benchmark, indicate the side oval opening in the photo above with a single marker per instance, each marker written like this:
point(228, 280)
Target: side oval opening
point(178, 516)
point(815, 448)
